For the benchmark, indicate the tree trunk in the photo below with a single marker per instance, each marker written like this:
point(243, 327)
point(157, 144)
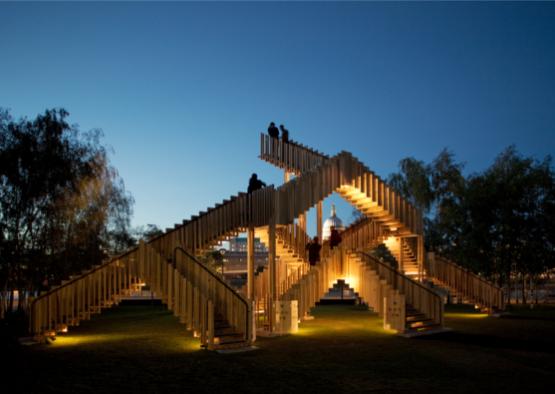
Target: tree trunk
point(523, 289)
point(511, 282)
point(10, 300)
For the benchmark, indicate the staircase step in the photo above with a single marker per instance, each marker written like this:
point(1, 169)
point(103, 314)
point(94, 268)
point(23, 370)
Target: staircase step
point(409, 332)
point(224, 329)
point(415, 317)
point(231, 336)
point(420, 324)
point(231, 345)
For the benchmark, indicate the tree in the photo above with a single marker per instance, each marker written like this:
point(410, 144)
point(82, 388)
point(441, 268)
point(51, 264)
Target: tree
point(500, 223)
point(512, 206)
point(413, 183)
point(147, 232)
point(62, 206)
point(214, 259)
point(435, 190)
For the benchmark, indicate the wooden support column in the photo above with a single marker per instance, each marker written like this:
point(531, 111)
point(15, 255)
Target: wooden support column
point(250, 263)
point(401, 262)
point(319, 230)
point(420, 256)
point(272, 271)
point(302, 222)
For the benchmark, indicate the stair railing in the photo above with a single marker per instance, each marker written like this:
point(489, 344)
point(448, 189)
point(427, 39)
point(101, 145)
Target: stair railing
point(469, 285)
point(207, 228)
point(83, 295)
point(291, 156)
point(215, 295)
point(419, 296)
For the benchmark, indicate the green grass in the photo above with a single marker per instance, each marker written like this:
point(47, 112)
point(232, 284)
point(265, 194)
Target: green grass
point(144, 349)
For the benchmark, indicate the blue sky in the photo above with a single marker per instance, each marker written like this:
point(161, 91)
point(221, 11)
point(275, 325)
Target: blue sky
point(181, 90)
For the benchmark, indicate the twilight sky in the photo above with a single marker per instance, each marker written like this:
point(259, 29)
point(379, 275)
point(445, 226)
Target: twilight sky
point(182, 90)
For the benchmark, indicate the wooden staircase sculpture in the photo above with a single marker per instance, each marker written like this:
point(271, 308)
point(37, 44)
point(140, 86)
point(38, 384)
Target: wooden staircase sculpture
point(205, 303)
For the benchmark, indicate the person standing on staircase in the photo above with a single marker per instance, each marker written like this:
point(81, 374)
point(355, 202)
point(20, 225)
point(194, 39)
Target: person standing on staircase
point(284, 140)
point(335, 237)
point(255, 184)
point(313, 251)
point(284, 133)
point(273, 132)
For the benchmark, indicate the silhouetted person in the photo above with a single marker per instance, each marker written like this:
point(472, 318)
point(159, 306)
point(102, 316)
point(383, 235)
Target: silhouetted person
point(273, 131)
point(313, 251)
point(335, 237)
point(255, 184)
point(284, 133)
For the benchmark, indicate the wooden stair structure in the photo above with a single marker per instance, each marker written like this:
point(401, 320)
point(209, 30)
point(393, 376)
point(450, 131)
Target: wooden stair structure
point(223, 317)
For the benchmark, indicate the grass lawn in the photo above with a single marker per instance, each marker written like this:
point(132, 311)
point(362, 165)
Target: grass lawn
point(144, 349)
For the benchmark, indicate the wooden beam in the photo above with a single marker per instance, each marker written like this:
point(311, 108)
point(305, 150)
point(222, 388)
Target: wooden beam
point(319, 229)
point(250, 263)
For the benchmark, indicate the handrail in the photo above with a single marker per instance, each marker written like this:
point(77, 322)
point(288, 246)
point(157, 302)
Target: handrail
point(290, 155)
point(209, 211)
point(80, 275)
point(467, 271)
point(479, 296)
point(400, 274)
point(431, 305)
point(220, 280)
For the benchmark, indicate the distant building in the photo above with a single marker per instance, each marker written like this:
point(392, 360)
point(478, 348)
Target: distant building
point(239, 244)
point(332, 221)
point(235, 260)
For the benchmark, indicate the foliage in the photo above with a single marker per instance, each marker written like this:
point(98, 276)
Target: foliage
point(147, 232)
point(497, 222)
point(214, 259)
point(63, 207)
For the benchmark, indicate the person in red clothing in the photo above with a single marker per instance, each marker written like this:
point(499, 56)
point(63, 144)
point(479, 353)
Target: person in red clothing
point(313, 251)
point(335, 237)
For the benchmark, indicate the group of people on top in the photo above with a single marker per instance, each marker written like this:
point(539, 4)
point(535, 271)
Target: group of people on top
point(314, 246)
point(273, 132)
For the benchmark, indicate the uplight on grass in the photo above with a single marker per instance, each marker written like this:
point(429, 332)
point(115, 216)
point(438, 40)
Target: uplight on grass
point(178, 344)
point(467, 315)
point(78, 340)
point(367, 324)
